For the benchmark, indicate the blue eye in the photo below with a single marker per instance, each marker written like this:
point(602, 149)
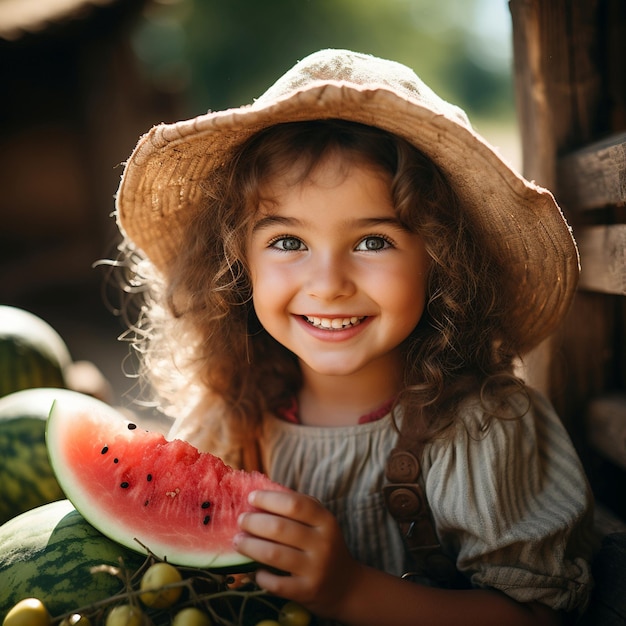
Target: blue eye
point(288, 244)
point(373, 244)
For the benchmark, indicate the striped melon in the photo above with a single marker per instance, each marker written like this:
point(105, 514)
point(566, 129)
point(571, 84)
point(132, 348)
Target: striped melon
point(47, 553)
point(32, 353)
point(26, 477)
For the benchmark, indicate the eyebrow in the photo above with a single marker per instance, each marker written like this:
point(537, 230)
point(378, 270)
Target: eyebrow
point(367, 222)
point(274, 220)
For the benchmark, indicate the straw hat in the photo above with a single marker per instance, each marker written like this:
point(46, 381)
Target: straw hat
point(163, 177)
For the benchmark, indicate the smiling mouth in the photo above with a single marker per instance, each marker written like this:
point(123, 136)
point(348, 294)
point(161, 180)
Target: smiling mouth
point(334, 323)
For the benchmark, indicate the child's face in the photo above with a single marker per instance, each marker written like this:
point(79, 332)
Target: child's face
point(335, 278)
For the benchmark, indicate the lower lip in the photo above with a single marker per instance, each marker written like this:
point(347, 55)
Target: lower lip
point(342, 334)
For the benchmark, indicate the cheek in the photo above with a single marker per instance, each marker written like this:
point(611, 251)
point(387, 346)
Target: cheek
point(267, 284)
point(400, 284)
point(269, 293)
point(405, 297)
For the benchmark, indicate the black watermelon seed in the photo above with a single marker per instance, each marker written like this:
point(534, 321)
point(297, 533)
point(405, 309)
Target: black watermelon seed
point(124, 485)
point(132, 426)
point(146, 503)
point(206, 505)
point(116, 460)
point(149, 477)
point(206, 519)
point(104, 450)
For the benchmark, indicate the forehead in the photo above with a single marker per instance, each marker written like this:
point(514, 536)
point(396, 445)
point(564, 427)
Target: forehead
point(331, 169)
point(331, 194)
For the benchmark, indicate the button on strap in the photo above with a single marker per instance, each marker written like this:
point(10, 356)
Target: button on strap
point(405, 501)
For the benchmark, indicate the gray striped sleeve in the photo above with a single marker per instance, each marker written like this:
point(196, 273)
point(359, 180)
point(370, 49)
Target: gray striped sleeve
point(513, 503)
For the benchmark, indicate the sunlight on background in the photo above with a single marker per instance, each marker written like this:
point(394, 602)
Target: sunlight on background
point(493, 49)
point(218, 55)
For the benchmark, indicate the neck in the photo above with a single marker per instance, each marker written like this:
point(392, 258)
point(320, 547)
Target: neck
point(342, 400)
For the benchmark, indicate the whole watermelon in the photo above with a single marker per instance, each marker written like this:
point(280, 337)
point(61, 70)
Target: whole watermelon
point(26, 477)
point(32, 353)
point(47, 553)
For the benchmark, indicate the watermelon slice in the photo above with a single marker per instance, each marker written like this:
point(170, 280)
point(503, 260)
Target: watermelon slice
point(135, 486)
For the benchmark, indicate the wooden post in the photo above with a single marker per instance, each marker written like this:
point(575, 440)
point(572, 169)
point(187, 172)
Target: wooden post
point(558, 91)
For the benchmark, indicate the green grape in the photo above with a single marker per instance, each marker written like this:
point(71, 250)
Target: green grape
point(294, 614)
point(124, 615)
point(28, 612)
point(191, 616)
point(157, 576)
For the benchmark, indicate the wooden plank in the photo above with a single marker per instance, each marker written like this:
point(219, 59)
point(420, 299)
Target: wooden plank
point(532, 83)
point(606, 424)
point(595, 176)
point(583, 362)
point(614, 55)
point(603, 258)
point(559, 81)
point(558, 85)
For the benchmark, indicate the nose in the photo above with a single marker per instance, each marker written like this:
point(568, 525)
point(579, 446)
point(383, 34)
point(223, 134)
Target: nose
point(330, 276)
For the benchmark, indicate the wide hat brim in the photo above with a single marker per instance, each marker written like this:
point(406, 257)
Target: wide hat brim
point(165, 177)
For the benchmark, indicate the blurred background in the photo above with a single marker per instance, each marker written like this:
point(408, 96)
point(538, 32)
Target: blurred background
point(81, 80)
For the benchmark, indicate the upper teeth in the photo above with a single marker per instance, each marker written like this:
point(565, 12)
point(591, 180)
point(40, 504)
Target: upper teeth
point(333, 322)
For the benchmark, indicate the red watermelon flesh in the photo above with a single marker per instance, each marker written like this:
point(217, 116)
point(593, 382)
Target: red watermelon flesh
point(132, 484)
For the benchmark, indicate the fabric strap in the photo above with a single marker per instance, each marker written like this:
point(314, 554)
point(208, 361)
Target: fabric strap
point(407, 503)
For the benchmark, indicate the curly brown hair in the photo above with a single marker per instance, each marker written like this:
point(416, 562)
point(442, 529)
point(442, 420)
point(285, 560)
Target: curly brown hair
point(203, 303)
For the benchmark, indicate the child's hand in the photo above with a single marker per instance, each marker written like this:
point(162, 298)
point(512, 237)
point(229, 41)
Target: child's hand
point(294, 533)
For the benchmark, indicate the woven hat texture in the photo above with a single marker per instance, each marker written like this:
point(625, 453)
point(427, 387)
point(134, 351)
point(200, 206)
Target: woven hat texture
point(163, 177)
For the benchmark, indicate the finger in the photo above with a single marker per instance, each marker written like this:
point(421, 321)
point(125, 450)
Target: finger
point(277, 529)
point(299, 507)
point(277, 556)
point(267, 525)
point(282, 585)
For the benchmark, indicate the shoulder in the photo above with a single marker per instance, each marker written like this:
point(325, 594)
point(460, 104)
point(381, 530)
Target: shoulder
point(482, 421)
point(518, 444)
point(509, 472)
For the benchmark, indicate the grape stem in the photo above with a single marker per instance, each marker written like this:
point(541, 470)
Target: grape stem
point(130, 595)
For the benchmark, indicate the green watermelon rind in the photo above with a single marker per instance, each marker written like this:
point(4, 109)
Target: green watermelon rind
point(32, 353)
point(75, 404)
point(48, 552)
point(25, 366)
point(26, 477)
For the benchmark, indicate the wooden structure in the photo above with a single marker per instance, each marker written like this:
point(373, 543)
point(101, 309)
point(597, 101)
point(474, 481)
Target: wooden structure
point(74, 102)
point(570, 81)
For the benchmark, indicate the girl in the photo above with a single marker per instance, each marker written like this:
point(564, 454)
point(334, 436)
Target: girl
point(337, 280)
